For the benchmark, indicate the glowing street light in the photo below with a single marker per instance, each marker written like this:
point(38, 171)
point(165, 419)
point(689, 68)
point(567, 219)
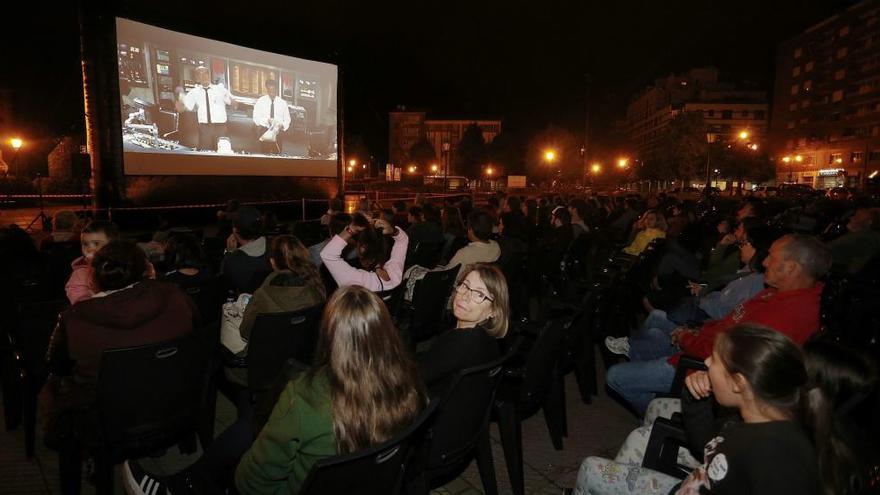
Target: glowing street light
point(412, 169)
point(596, 168)
point(744, 135)
point(786, 159)
point(798, 158)
point(550, 156)
point(622, 163)
point(352, 162)
point(489, 171)
point(434, 167)
point(753, 147)
point(350, 168)
point(16, 143)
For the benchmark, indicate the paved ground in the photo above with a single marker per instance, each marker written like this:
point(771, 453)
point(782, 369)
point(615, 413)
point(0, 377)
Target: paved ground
point(596, 429)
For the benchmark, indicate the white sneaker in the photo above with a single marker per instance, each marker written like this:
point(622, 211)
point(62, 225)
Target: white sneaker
point(618, 345)
point(136, 481)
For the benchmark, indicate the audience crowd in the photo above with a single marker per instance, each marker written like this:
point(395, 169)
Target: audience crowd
point(750, 287)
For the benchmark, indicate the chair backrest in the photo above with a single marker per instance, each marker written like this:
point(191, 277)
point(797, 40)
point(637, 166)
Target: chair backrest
point(277, 337)
point(429, 302)
point(425, 254)
point(148, 395)
point(464, 412)
point(208, 298)
point(543, 359)
point(377, 470)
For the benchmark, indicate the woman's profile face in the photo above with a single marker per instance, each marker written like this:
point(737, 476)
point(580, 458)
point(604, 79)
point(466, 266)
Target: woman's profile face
point(650, 221)
point(471, 304)
point(722, 382)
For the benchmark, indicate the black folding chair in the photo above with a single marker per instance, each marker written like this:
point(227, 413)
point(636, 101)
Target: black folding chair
point(378, 470)
point(149, 398)
point(422, 318)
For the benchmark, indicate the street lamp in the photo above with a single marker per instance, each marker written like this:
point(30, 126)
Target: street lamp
point(596, 168)
point(434, 168)
point(352, 162)
point(744, 135)
point(550, 156)
point(16, 144)
point(622, 163)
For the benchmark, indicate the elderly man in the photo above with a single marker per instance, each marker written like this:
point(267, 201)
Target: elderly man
point(790, 305)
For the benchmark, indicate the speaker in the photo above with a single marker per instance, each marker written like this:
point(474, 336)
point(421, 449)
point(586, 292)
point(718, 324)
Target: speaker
point(81, 166)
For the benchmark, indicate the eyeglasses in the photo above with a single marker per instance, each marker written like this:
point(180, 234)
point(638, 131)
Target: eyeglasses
point(474, 295)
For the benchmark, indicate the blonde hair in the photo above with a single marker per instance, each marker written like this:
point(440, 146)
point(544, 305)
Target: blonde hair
point(496, 284)
point(375, 387)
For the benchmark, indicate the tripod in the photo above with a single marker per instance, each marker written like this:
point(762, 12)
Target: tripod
point(46, 222)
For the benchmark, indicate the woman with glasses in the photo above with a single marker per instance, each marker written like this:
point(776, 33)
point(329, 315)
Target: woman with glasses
point(480, 306)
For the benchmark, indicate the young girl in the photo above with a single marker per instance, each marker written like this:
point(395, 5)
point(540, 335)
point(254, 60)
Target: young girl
point(760, 373)
point(95, 235)
point(651, 226)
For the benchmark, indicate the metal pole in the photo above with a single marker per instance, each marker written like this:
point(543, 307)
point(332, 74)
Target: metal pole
point(304, 209)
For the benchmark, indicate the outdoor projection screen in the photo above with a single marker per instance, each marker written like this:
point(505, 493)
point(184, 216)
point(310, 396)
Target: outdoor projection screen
point(194, 106)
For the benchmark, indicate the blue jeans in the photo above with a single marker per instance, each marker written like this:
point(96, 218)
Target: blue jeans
point(651, 341)
point(638, 381)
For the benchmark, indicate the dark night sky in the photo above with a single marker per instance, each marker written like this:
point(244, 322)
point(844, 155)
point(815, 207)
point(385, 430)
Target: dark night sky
point(524, 62)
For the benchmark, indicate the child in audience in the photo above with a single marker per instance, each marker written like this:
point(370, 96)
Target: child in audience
point(93, 237)
point(651, 226)
point(762, 374)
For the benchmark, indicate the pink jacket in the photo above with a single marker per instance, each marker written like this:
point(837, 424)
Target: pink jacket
point(345, 274)
point(79, 286)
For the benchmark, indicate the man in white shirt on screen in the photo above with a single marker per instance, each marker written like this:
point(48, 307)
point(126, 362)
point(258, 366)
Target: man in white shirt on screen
point(271, 113)
point(209, 102)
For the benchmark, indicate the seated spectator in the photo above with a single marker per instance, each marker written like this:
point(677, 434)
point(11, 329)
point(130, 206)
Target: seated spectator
point(650, 226)
point(378, 271)
point(578, 211)
point(421, 231)
point(362, 390)
point(480, 306)
point(335, 206)
point(453, 230)
point(652, 339)
point(246, 263)
point(854, 249)
point(294, 284)
point(95, 235)
point(724, 259)
point(186, 262)
point(481, 249)
point(338, 222)
point(224, 218)
point(679, 218)
point(760, 373)
point(790, 305)
point(128, 309)
point(401, 216)
point(622, 221)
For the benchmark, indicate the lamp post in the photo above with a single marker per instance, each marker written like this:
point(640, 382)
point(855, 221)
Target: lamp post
point(550, 157)
point(445, 151)
point(16, 144)
point(710, 138)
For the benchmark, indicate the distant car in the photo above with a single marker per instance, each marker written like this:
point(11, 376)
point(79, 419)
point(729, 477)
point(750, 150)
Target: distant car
point(766, 191)
point(791, 190)
point(840, 193)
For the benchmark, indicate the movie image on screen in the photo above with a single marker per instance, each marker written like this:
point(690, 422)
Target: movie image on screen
point(194, 106)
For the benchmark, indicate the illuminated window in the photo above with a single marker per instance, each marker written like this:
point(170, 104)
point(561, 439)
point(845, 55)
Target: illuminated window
point(796, 71)
point(809, 66)
point(839, 74)
point(797, 52)
point(808, 85)
point(841, 52)
point(837, 95)
point(794, 89)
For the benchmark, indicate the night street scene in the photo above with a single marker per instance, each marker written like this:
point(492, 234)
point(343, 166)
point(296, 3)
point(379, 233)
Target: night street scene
point(392, 248)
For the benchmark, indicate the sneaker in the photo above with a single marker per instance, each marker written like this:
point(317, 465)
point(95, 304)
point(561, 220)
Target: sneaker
point(136, 481)
point(618, 346)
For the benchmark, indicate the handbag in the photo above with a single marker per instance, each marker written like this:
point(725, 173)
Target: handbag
point(232, 314)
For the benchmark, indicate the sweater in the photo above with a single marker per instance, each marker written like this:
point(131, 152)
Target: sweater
point(794, 313)
point(475, 252)
point(641, 241)
point(345, 274)
point(298, 433)
point(79, 286)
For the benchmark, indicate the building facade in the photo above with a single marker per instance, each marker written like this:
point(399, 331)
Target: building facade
point(726, 108)
point(826, 117)
point(407, 128)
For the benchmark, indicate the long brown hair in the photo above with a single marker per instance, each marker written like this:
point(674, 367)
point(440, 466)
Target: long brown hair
point(289, 253)
point(375, 387)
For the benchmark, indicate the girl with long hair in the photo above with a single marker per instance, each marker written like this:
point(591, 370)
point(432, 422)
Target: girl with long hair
point(363, 389)
point(294, 284)
point(775, 448)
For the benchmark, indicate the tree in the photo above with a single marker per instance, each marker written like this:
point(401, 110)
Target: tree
point(683, 147)
point(471, 154)
point(507, 152)
point(741, 163)
point(422, 154)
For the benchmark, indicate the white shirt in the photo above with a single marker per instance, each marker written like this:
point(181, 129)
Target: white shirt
point(263, 112)
point(218, 96)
